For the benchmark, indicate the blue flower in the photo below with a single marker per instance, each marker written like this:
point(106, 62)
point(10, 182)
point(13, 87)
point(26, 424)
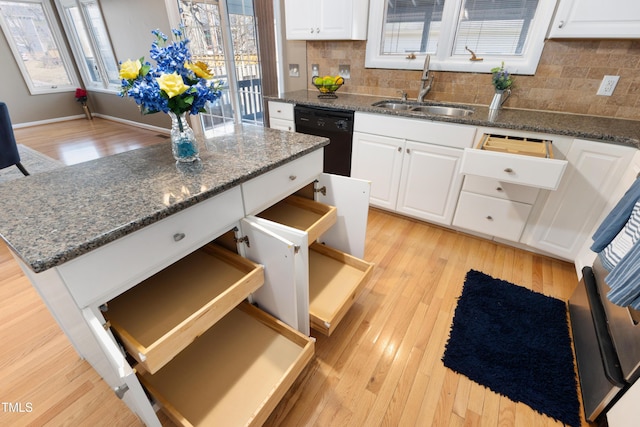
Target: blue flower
point(169, 58)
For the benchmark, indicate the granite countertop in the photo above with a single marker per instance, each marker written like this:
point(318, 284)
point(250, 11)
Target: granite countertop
point(604, 129)
point(52, 217)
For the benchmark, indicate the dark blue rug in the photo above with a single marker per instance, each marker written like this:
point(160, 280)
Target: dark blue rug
point(516, 342)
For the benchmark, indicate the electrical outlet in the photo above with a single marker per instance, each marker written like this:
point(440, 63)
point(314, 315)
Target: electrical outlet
point(608, 85)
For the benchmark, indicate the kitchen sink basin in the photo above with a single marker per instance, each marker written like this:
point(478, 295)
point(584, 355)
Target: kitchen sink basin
point(393, 105)
point(441, 110)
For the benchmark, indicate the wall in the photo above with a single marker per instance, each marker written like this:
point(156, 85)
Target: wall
point(129, 24)
point(567, 78)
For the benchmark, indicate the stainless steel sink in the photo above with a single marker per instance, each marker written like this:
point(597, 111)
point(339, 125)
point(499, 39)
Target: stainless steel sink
point(393, 105)
point(441, 110)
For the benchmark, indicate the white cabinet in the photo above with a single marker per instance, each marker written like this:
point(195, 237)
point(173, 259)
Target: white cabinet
point(326, 19)
point(281, 116)
point(413, 164)
point(595, 19)
point(570, 213)
point(329, 276)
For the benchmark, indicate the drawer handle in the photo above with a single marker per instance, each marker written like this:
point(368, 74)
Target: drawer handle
point(292, 177)
point(279, 111)
point(489, 217)
point(508, 170)
point(178, 236)
point(499, 189)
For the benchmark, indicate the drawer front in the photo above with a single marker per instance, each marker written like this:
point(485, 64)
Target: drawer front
point(281, 110)
point(492, 216)
point(273, 186)
point(281, 124)
point(420, 130)
point(514, 168)
point(502, 190)
point(112, 269)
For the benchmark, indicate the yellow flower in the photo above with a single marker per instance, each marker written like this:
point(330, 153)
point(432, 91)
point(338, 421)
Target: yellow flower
point(172, 84)
point(200, 69)
point(130, 69)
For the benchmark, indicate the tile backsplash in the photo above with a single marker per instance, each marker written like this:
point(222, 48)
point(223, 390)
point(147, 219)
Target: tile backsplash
point(567, 78)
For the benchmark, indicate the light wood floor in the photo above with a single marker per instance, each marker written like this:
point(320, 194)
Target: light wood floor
point(380, 368)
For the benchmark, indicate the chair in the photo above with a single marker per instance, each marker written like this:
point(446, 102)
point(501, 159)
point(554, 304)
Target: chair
point(9, 155)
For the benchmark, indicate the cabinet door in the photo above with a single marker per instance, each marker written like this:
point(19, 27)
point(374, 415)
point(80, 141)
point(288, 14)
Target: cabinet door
point(118, 374)
point(570, 212)
point(351, 197)
point(430, 182)
point(378, 159)
point(301, 19)
point(596, 19)
point(284, 253)
point(335, 18)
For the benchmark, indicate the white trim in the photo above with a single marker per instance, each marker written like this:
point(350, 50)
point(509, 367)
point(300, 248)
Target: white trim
point(442, 60)
point(65, 57)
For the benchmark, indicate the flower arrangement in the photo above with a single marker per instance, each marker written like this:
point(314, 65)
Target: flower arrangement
point(176, 84)
point(81, 96)
point(501, 78)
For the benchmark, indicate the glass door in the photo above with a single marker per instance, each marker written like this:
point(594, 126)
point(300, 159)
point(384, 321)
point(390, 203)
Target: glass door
point(223, 34)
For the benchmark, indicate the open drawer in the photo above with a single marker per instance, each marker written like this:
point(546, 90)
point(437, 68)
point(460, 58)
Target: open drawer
point(234, 374)
point(302, 214)
point(161, 316)
point(335, 281)
point(516, 165)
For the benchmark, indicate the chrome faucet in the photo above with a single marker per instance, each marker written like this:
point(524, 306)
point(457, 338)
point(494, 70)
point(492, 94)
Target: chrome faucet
point(425, 86)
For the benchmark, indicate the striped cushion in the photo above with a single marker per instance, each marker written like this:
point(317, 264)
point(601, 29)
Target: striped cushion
point(624, 241)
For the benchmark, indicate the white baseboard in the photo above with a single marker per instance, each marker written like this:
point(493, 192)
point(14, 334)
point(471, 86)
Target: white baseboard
point(132, 123)
point(102, 116)
point(44, 122)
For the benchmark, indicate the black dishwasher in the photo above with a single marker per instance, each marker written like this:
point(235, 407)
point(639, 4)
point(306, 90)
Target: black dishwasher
point(337, 125)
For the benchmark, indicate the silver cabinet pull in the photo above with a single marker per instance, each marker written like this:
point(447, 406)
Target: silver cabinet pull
point(121, 390)
point(292, 177)
point(561, 24)
point(508, 170)
point(178, 236)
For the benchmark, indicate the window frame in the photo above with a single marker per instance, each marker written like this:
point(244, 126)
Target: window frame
point(443, 59)
point(104, 85)
point(61, 45)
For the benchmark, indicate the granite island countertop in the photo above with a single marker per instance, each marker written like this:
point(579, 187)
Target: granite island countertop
point(620, 131)
point(52, 217)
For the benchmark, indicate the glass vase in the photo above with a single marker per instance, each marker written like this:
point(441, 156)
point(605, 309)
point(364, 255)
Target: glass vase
point(183, 140)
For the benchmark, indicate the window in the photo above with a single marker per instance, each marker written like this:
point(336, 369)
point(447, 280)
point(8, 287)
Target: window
point(90, 43)
point(512, 31)
point(37, 46)
point(223, 34)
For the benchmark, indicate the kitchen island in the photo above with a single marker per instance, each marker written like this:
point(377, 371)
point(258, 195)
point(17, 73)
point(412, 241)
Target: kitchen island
point(87, 234)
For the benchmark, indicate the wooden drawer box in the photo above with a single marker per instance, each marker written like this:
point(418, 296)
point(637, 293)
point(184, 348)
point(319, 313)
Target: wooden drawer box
point(489, 215)
point(161, 316)
point(335, 282)
point(507, 166)
point(234, 374)
point(302, 214)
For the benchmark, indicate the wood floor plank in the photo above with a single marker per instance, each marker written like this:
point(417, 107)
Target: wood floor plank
point(381, 367)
